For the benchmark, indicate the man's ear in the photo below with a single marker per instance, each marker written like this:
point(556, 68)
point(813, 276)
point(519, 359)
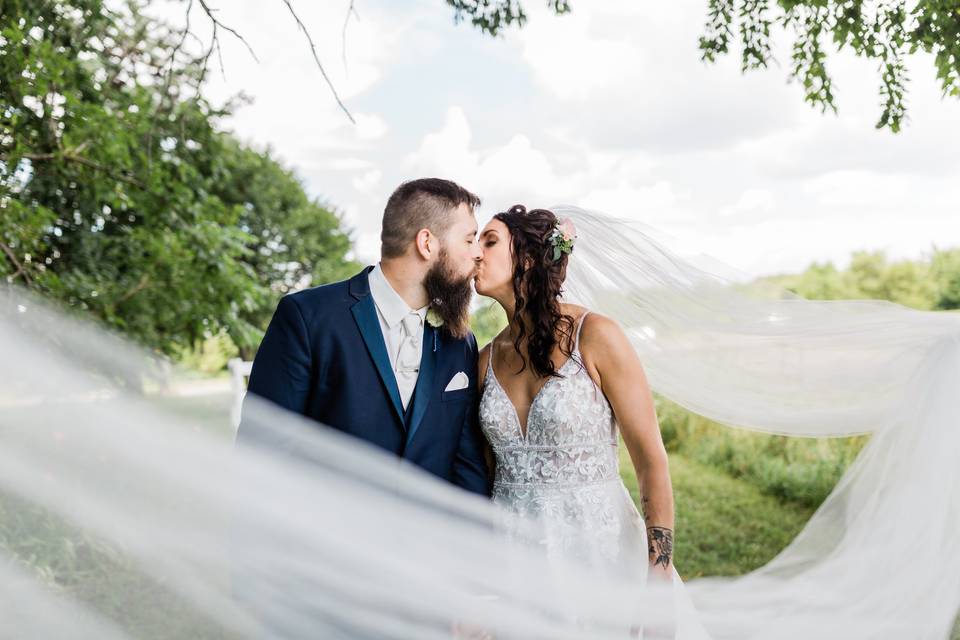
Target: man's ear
point(426, 243)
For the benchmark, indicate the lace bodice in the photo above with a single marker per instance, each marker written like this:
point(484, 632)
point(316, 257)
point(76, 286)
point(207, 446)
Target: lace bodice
point(563, 472)
point(570, 437)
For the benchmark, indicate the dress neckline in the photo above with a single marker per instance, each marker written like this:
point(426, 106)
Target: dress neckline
point(523, 429)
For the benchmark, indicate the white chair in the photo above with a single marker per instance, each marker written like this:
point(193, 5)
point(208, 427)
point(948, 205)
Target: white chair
point(239, 373)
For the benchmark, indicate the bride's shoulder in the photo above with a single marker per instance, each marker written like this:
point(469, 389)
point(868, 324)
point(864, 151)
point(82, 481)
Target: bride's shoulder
point(600, 333)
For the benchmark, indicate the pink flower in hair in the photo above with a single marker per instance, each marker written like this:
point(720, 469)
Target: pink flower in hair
point(562, 237)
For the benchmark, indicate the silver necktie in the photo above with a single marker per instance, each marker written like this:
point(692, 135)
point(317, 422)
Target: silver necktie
point(408, 358)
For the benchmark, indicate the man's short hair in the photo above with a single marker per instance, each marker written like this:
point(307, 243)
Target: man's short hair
point(426, 203)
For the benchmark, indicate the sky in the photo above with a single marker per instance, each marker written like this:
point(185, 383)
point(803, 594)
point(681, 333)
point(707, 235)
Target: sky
point(609, 107)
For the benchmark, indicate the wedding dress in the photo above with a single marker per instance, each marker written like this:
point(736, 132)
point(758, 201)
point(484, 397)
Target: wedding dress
point(563, 472)
point(561, 475)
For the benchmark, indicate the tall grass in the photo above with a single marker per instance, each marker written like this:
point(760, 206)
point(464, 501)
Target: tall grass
point(802, 470)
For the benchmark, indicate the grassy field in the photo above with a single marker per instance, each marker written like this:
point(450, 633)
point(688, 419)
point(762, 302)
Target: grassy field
point(724, 526)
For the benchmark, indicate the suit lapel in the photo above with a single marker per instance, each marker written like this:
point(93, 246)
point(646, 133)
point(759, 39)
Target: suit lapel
point(365, 314)
point(424, 388)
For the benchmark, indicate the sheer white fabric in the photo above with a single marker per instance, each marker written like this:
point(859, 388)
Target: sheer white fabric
point(881, 557)
point(130, 519)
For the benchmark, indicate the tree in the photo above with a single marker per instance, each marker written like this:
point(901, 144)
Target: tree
point(292, 240)
point(492, 16)
point(921, 284)
point(945, 267)
point(119, 196)
point(487, 321)
point(884, 31)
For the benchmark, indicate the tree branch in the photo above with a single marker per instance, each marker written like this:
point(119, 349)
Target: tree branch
point(343, 37)
point(13, 259)
point(313, 50)
point(215, 45)
point(71, 157)
point(144, 280)
point(217, 23)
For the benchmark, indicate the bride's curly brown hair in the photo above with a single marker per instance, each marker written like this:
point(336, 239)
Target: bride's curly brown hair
point(537, 286)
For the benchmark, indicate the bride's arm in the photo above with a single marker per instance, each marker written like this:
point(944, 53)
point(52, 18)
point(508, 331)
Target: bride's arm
point(607, 350)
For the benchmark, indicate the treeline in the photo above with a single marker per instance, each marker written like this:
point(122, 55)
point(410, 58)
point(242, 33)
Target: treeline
point(121, 193)
point(932, 283)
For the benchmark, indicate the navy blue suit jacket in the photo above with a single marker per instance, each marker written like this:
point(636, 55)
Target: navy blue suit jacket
point(324, 357)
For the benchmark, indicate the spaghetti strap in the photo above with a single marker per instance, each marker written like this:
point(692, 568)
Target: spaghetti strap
point(576, 343)
point(490, 358)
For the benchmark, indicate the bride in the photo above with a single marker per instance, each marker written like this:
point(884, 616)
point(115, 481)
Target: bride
point(555, 386)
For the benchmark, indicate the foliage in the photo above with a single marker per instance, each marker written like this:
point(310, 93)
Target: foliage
point(119, 196)
point(933, 283)
point(293, 241)
point(884, 31)
point(945, 269)
point(487, 321)
point(492, 16)
point(800, 470)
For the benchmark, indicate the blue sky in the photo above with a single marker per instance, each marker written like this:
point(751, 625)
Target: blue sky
point(609, 107)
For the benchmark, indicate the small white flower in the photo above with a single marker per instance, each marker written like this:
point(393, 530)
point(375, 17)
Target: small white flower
point(433, 318)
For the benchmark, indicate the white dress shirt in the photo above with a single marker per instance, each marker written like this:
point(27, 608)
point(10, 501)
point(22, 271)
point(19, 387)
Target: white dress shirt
point(404, 345)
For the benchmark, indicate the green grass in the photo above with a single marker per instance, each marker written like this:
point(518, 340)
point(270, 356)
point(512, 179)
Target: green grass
point(212, 411)
point(724, 526)
point(798, 470)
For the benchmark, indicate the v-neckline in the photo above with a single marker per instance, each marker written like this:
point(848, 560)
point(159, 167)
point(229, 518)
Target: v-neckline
point(524, 428)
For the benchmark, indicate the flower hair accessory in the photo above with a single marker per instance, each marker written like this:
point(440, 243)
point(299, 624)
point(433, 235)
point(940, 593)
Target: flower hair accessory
point(562, 238)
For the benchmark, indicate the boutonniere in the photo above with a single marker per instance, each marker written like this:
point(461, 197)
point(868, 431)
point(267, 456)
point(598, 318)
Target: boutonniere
point(434, 320)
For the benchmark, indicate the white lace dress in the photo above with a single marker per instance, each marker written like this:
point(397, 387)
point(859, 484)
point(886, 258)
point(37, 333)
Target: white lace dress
point(564, 471)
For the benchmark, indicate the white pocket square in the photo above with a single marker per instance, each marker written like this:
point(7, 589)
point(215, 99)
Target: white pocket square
point(459, 381)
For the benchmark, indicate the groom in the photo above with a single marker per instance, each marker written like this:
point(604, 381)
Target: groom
point(364, 356)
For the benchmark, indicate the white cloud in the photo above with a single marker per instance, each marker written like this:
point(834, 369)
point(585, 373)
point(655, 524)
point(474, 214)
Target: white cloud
point(608, 107)
point(520, 172)
point(370, 126)
point(624, 199)
point(573, 61)
point(858, 189)
point(510, 173)
point(629, 74)
point(367, 181)
point(751, 201)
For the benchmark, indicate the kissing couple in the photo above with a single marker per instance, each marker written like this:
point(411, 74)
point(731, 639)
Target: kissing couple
point(531, 420)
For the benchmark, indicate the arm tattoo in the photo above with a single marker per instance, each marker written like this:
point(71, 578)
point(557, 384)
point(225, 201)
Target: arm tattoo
point(644, 505)
point(661, 545)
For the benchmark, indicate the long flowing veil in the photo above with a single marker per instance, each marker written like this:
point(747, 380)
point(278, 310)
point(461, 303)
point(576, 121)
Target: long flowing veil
point(881, 556)
point(124, 515)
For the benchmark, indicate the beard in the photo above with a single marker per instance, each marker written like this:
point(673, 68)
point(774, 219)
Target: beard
point(450, 295)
